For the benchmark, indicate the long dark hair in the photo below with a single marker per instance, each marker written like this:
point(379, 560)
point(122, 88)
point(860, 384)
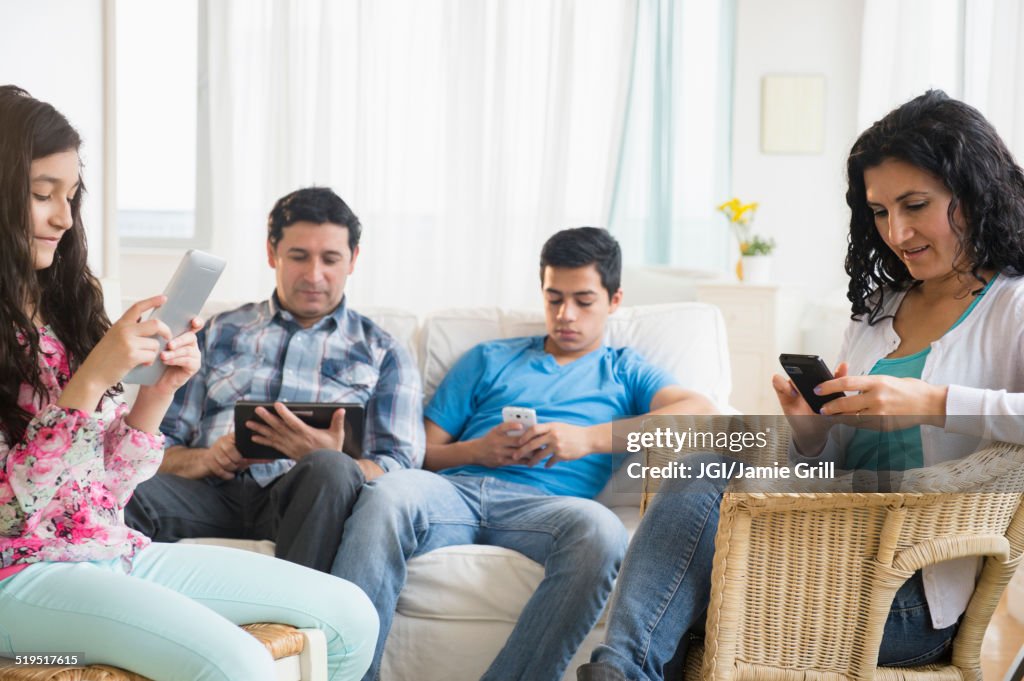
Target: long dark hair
point(66, 294)
point(953, 142)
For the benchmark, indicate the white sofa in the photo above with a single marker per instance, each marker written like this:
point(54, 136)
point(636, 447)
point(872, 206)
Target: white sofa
point(461, 602)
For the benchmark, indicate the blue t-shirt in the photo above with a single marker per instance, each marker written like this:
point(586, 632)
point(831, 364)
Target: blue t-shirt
point(606, 384)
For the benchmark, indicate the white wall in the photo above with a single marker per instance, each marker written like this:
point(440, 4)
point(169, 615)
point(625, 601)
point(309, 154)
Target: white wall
point(54, 49)
point(802, 197)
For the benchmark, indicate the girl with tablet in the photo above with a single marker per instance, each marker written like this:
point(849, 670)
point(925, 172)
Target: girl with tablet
point(73, 577)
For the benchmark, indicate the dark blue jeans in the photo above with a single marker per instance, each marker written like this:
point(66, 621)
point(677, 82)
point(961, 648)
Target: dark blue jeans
point(664, 587)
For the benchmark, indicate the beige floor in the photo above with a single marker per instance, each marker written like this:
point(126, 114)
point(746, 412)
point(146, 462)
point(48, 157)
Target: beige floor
point(1003, 641)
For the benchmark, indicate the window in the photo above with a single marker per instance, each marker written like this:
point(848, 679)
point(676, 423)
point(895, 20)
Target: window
point(156, 56)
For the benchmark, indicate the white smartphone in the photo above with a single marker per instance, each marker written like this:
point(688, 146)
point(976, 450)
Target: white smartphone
point(186, 294)
point(524, 416)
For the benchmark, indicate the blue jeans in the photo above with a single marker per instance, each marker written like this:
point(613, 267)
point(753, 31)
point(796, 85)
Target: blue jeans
point(174, 616)
point(579, 542)
point(664, 587)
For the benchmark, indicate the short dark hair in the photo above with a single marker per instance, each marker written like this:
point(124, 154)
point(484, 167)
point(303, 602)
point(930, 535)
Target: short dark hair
point(952, 141)
point(582, 246)
point(312, 204)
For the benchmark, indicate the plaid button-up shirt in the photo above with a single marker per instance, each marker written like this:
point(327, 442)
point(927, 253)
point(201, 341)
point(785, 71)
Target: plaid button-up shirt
point(260, 352)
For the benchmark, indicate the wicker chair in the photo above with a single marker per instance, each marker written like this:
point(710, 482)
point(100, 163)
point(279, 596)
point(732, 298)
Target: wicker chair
point(802, 582)
point(299, 654)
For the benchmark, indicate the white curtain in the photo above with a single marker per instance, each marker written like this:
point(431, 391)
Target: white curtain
point(907, 47)
point(994, 66)
point(461, 132)
point(972, 49)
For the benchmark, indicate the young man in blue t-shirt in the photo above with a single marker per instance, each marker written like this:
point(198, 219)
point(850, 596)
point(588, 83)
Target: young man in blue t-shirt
point(530, 492)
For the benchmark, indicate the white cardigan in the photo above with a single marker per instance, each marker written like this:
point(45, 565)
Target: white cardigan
point(982, 362)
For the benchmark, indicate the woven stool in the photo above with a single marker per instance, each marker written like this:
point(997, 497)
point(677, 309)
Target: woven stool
point(281, 640)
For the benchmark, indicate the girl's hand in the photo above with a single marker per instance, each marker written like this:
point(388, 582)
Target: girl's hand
point(182, 359)
point(125, 345)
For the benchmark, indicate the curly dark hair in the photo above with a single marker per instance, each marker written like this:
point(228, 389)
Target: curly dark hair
point(66, 294)
point(956, 144)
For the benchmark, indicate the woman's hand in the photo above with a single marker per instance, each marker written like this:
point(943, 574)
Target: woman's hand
point(790, 399)
point(886, 402)
point(810, 431)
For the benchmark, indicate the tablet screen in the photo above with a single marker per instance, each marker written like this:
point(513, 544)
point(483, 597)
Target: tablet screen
point(317, 415)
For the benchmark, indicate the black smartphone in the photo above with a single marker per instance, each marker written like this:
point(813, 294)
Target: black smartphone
point(806, 372)
point(314, 414)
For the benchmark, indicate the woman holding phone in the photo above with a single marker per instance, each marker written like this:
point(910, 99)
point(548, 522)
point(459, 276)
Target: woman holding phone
point(73, 577)
point(935, 258)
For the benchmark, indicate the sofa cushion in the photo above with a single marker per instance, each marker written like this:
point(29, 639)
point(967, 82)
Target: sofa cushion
point(477, 582)
point(686, 339)
point(462, 582)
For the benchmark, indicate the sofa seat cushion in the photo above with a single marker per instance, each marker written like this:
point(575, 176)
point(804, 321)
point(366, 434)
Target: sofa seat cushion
point(462, 582)
point(477, 582)
point(469, 582)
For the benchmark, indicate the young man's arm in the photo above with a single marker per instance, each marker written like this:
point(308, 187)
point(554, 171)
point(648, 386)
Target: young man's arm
point(494, 449)
point(564, 442)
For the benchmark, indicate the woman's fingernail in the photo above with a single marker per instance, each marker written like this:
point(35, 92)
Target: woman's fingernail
point(793, 392)
point(817, 390)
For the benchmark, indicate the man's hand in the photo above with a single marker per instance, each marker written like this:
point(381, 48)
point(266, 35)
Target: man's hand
point(221, 459)
point(497, 447)
point(288, 434)
point(371, 471)
point(560, 441)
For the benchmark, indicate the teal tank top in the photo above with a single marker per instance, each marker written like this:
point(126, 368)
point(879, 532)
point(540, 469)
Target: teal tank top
point(896, 449)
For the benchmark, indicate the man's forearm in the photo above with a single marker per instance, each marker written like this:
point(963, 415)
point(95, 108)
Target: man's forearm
point(183, 462)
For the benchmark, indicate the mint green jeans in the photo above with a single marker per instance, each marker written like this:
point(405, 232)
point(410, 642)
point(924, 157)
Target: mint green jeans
point(174, 615)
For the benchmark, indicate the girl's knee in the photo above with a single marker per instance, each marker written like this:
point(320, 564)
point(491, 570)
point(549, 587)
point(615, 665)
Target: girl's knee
point(351, 625)
point(352, 616)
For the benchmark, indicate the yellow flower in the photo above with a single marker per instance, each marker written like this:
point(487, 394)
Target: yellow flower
point(737, 211)
point(730, 207)
point(745, 210)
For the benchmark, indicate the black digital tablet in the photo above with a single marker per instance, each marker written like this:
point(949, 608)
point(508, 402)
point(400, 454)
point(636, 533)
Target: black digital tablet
point(315, 414)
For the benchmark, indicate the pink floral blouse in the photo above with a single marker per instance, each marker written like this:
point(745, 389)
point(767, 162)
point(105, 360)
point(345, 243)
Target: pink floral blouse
point(62, 487)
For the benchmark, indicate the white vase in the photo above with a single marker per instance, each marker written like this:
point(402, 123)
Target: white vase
point(757, 269)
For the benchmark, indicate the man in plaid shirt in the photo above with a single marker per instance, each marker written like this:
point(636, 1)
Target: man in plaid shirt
point(304, 344)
